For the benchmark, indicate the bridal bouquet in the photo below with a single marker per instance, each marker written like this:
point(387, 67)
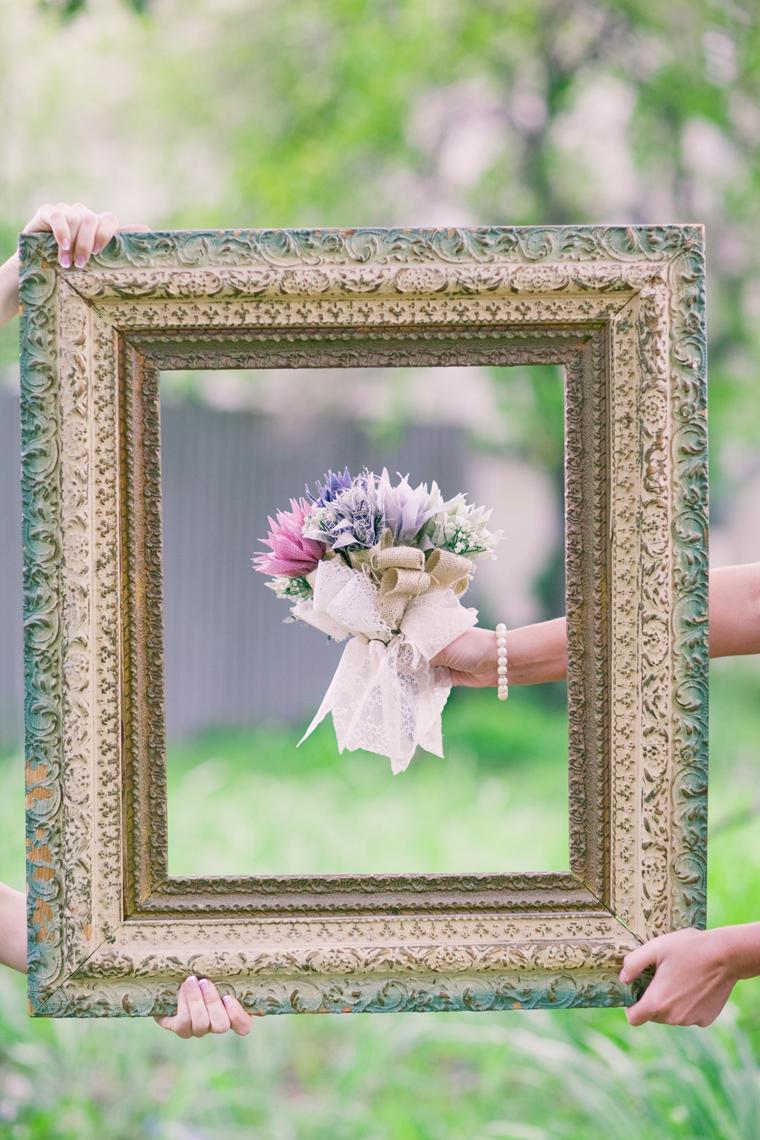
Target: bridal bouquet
point(385, 565)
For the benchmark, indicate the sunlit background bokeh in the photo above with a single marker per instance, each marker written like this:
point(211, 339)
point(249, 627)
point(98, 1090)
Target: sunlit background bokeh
point(238, 113)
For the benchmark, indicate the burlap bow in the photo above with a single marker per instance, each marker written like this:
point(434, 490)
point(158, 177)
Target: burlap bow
point(406, 572)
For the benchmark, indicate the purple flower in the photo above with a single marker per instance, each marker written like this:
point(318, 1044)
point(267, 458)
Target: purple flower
point(332, 486)
point(405, 509)
point(291, 553)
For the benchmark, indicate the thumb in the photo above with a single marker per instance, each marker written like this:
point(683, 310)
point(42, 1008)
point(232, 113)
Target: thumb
point(638, 960)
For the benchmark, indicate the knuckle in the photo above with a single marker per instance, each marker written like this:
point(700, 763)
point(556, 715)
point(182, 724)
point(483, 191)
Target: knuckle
point(645, 1013)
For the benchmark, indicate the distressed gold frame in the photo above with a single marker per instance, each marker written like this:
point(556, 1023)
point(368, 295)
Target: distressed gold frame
point(622, 309)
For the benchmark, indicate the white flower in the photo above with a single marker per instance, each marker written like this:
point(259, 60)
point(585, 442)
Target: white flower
point(461, 527)
point(285, 587)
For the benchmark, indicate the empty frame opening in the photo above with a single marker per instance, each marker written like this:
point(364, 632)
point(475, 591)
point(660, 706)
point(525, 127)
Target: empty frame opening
point(241, 684)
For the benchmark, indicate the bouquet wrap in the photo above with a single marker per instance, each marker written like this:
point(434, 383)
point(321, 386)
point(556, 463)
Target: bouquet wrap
point(385, 697)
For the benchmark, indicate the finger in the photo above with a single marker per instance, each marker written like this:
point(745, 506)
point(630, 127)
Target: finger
point(179, 1022)
point(643, 1011)
point(217, 1013)
point(198, 1013)
point(107, 225)
point(55, 219)
point(85, 236)
point(239, 1019)
point(40, 221)
point(74, 219)
point(639, 959)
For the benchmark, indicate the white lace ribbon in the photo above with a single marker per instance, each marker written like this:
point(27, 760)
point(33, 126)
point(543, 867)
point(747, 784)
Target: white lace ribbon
point(384, 697)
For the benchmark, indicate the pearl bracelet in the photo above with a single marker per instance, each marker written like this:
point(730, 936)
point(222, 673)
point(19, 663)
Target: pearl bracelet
point(502, 685)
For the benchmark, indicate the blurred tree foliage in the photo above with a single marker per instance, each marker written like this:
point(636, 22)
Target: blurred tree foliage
point(350, 112)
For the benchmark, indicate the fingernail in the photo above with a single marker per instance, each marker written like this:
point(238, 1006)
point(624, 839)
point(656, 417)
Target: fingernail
point(65, 260)
point(192, 981)
point(227, 999)
point(204, 983)
point(65, 244)
point(79, 261)
point(623, 976)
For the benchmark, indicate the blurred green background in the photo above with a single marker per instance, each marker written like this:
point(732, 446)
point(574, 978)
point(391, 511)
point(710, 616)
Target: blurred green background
point(240, 113)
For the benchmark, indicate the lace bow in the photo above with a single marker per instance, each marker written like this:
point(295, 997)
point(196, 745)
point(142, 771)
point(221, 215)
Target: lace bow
point(385, 697)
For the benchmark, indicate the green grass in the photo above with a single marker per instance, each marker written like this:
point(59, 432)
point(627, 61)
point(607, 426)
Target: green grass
point(252, 803)
point(564, 1075)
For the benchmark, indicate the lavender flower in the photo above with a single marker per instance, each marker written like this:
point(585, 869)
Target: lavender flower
point(332, 486)
point(405, 509)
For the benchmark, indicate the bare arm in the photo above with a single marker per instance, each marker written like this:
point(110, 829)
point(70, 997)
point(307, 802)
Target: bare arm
point(735, 610)
point(12, 928)
point(538, 653)
point(9, 289)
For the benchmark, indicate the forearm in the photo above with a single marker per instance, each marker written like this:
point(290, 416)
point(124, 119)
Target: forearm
point(538, 653)
point(9, 289)
point(12, 928)
point(739, 949)
point(735, 610)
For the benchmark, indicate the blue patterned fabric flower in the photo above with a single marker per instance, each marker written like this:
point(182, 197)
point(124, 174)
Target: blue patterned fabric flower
point(352, 518)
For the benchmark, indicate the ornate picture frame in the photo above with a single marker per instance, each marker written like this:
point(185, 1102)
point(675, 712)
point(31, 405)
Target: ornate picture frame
point(622, 310)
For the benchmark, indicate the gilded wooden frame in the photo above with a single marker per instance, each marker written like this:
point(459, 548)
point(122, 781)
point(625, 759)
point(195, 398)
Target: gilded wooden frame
point(622, 309)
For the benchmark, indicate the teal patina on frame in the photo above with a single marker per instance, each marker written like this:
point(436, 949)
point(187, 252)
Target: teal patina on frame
point(622, 309)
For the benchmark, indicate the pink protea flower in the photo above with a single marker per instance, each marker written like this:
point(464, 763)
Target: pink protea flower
point(291, 553)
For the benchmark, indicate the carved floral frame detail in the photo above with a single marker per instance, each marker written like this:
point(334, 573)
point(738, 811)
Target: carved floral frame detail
point(622, 310)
